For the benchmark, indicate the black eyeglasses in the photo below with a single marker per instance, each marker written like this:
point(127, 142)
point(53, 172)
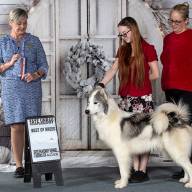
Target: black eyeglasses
point(176, 22)
point(123, 34)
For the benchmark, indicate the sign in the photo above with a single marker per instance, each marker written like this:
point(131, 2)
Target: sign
point(42, 155)
point(43, 138)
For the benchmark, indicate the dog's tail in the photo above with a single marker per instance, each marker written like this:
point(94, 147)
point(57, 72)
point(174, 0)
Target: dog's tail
point(168, 116)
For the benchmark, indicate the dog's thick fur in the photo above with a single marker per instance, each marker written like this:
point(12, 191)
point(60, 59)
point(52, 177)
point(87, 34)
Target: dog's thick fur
point(135, 133)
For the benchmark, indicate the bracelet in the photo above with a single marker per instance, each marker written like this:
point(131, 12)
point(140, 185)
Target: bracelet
point(101, 85)
point(38, 74)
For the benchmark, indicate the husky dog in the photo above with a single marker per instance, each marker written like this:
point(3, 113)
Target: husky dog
point(135, 133)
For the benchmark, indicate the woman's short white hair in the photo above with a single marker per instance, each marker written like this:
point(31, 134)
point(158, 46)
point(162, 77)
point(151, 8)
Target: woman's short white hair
point(15, 14)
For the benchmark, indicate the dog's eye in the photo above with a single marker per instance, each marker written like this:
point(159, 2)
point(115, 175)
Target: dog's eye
point(95, 103)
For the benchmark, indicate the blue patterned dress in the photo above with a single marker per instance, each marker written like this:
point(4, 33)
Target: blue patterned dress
point(21, 99)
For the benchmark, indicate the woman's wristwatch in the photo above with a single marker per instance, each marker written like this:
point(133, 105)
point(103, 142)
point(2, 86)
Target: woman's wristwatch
point(37, 74)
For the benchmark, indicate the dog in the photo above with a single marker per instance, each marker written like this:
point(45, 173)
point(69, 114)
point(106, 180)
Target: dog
point(128, 133)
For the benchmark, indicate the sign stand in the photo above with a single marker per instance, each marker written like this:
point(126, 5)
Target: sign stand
point(42, 154)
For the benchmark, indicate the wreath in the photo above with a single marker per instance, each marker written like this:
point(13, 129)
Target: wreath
point(82, 56)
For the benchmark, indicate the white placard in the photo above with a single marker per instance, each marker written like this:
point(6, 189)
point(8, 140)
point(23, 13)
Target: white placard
point(43, 138)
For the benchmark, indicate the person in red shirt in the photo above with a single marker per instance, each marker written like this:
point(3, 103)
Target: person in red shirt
point(177, 61)
point(136, 62)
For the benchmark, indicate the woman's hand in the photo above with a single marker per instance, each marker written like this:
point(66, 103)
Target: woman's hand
point(31, 76)
point(7, 65)
point(14, 58)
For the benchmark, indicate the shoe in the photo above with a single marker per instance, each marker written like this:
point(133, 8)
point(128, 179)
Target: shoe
point(143, 176)
point(19, 172)
point(132, 173)
point(178, 175)
point(138, 177)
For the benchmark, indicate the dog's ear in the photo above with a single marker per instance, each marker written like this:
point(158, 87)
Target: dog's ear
point(102, 96)
point(104, 93)
point(106, 107)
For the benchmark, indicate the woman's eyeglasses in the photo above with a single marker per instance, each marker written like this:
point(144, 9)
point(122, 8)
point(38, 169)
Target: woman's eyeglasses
point(176, 22)
point(123, 34)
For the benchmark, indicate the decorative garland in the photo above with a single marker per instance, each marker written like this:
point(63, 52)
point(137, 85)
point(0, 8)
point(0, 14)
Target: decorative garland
point(82, 56)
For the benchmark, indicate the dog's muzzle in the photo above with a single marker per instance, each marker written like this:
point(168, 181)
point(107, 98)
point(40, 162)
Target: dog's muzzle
point(87, 112)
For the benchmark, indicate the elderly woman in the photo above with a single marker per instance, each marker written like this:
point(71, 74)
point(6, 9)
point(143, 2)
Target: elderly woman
point(22, 66)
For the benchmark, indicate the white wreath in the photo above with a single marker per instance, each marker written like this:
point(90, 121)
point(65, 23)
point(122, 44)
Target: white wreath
point(82, 56)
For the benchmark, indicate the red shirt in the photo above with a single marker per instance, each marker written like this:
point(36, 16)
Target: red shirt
point(177, 61)
point(130, 89)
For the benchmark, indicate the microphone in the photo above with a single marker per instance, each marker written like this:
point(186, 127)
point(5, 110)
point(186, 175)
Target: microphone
point(18, 48)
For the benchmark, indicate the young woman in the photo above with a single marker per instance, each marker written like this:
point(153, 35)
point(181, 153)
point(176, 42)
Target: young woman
point(177, 61)
point(136, 62)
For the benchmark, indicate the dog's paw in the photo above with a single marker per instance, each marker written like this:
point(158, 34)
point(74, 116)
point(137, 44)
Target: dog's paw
point(120, 183)
point(188, 185)
point(117, 181)
point(184, 180)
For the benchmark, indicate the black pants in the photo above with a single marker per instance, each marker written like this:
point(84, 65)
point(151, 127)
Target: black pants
point(174, 95)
